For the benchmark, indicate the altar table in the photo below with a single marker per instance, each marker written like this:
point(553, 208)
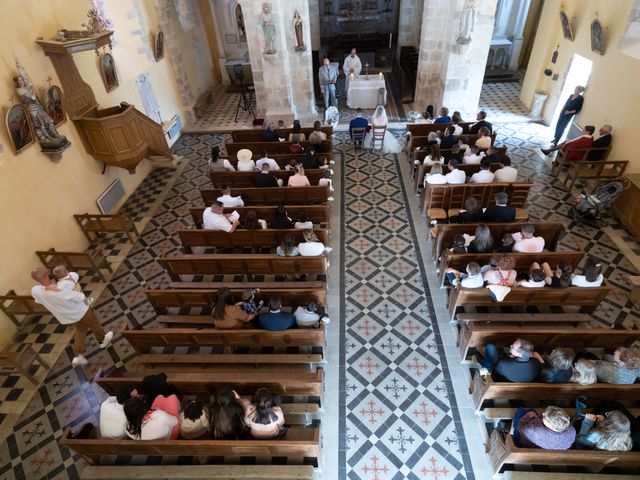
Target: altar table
point(364, 93)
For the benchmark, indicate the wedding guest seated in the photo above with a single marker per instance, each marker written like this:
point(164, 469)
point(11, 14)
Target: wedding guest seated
point(472, 212)
point(507, 244)
point(295, 147)
point(434, 155)
point(449, 139)
point(556, 367)
point(585, 140)
point(113, 421)
point(432, 139)
point(475, 157)
point(307, 316)
point(303, 222)
point(265, 178)
point(227, 417)
point(311, 160)
point(535, 279)
point(214, 163)
point(584, 372)
point(518, 366)
point(312, 247)
point(481, 122)
point(298, 179)
point(252, 222)
point(317, 137)
point(159, 422)
point(482, 242)
point(604, 140)
point(262, 415)
point(275, 319)
point(264, 159)
point(287, 247)
point(485, 175)
point(525, 242)
point(296, 134)
point(465, 148)
point(550, 431)
point(504, 275)
point(435, 176)
point(459, 244)
point(248, 303)
point(227, 200)
point(455, 120)
point(500, 212)
point(194, 420)
point(245, 161)
point(506, 173)
point(455, 175)
point(268, 135)
point(454, 154)
point(592, 275)
point(603, 409)
point(326, 180)
point(484, 140)
point(621, 368)
point(281, 219)
point(443, 116)
point(471, 279)
point(558, 278)
point(227, 314)
point(611, 432)
point(214, 218)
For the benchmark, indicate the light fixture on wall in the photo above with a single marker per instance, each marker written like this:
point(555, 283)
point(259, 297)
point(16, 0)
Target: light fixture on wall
point(554, 55)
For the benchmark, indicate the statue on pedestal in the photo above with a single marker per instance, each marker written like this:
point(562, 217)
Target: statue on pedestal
point(268, 29)
point(467, 23)
point(297, 29)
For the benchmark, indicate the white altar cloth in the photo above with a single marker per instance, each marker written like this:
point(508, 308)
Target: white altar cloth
point(364, 93)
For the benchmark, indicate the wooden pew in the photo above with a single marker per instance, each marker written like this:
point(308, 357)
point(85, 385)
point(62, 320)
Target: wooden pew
point(423, 130)
point(243, 238)
point(291, 293)
point(459, 261)
point(97, 224)
point(74, 261)
point(255, 135)
point(439, 201)
point(421, 154)
point(552, 232)
point(474, 335)
point(523, 319)
point(507, 413)
point(588, 298)
point(468, 170)
point(594, 171)
point(249, 265)
point(282, 159)
point(245, 179)
point(197, 472)
point(484, 388)
point(143, 340)
point(270, 147)
point(314, 195)
point(502, 449)
point(417, 141)
point(561, 158)
point(297, 445)
point(15, 306)
point(22, 362)
point(320, 215)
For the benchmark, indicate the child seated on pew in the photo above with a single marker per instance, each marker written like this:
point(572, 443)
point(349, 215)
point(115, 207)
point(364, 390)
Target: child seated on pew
point(507, 244)
point(227, 417)
point(66, 280)
point(262, 415)
point(326, 180)
point(471, 279)
point(459, 244)
point(248, 303)
point(558, 278)
point(535, 279)
point(194, 420)
point(557, 366)
point(592, 275)
point(551, 430)
point(500, 280)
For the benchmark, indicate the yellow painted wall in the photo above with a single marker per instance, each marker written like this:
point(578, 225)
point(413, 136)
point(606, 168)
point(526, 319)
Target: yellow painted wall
point(613, 91)
point(38, 197)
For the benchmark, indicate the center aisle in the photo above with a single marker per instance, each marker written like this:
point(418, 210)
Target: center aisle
point(398, 413)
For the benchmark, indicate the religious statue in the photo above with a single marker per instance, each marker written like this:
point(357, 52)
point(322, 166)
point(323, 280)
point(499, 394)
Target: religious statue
point(268, 29)
point(96, 23)
point(297, 28)
point(242, 32)
point(48, 137)
point(467, 23)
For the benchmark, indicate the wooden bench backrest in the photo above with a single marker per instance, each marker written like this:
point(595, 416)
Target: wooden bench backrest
point(273, 196)
point(244, 238)
point(552, 232)
point(282, 159)
point(14, 305)
point(421, 154)
point(250, 265)
point(104, 223)
point(601, 170)
point(583, 153)
point(270, 147)
point(416, 141)
point(423, 129)
point(245, 179)
point(164, 299)
point(256, 135)
point(72, 260)
point(318, 214)
point(454, 196)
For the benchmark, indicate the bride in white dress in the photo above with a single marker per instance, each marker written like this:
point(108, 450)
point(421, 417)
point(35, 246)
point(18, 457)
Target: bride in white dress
point(379, 119)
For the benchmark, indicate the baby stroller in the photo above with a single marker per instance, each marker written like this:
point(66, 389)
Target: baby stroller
point(590, 206)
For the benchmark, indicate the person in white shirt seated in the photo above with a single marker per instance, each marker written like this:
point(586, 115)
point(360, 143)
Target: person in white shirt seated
point(506, 174)
point(434, 156)
point(307, 316)
point(484, 140)
point(245, 161)
point(273, 165)
point(113, 421)
point(536, 278)
point(215, 165)
point(472, 279)
point(455, 175)
point(214, 218)
point(455, 120)
point(525, 242)
point(435, 176)
point(463, 143)
point(592, 275)
point(160, 422)
point(485, 175)
point(227, 200)
point(312, 247)
point(303, 222)
point(475, 158)
point(194, 421)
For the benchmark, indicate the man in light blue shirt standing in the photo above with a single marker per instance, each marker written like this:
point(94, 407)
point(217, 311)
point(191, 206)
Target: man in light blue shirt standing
point(328, 78)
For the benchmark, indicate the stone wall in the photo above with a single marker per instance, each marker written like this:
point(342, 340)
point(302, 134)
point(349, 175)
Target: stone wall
point(410, 23)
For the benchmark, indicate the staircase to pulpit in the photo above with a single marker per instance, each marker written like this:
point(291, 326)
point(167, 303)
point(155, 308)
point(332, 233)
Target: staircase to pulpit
point(121, 136)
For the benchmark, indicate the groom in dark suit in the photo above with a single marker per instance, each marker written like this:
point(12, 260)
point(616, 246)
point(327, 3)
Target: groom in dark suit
point(358, 122)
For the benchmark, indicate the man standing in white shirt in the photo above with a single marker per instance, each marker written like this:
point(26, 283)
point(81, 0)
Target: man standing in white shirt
point(506, 174)
point(455, 175)
point(485, 175)
point(213, 218)
point(69, 307)
point(227, 200)
point(273, 165)
point(352, 64)
point(525, 242)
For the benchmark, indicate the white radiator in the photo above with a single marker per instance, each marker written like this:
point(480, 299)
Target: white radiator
point(111, 196)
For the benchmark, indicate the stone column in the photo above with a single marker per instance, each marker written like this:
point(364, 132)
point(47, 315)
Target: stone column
point(409, 23)
point(314, 23)
point(518, 29)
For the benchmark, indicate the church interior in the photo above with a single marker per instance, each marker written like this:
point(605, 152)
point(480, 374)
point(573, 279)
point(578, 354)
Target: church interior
point(125, 123)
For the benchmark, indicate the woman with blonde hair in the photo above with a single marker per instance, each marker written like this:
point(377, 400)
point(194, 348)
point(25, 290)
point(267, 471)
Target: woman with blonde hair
point(299, 179)
point(610, 432)
point(311, 247)
point(584, 372)
point(621, 368)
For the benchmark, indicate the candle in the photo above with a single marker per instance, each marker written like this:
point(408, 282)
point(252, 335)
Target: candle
point(351, 76)
point(380, 75)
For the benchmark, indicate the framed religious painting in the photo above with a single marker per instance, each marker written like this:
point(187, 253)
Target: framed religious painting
point(158, 46)
point(53, 104)
point(597, 37)
point(19, 127)
point(108, 70)
point(566, 25)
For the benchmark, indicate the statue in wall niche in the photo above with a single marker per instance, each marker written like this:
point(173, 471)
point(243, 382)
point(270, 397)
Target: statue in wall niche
point(268, 29)
point(48, 137)
point(297, 29)
point(467, 22)
point(242, 32)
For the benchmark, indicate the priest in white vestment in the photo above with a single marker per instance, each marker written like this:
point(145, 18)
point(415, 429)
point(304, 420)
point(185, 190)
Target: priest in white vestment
point(351, 65)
